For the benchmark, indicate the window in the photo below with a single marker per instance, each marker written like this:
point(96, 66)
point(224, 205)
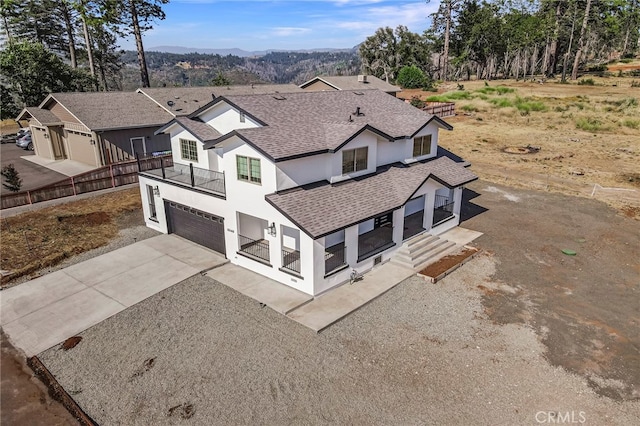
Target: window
point(422, 146)
point(152, 203)
point(188, 150)
point(354, 160)
point(248, 169)
point(242, 119)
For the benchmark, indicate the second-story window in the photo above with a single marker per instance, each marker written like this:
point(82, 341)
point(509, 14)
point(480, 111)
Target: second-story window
point(422, 146)
point(188, 150)
point(249, 169)
point(354, 160)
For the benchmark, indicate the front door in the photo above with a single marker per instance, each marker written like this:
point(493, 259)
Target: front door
point(57, 142)
point(138, 147)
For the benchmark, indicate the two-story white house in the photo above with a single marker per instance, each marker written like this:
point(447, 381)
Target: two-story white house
point(305, 187)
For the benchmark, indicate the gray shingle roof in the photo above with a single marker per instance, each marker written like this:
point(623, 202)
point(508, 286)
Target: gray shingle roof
point(43, 116)
point(312, 122)
point(321, 209)
point(112, 110)
point(188, 99)
point(352, 83)
point(197, 128)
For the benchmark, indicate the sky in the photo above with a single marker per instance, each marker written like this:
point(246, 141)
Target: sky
point(280, 24)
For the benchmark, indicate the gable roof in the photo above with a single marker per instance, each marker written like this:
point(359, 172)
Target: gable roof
point(101, 111)
point(322, 208)
point(202, 131)
point(352, 83)
point(42, 116)
point(308, 123)
point(186, 100)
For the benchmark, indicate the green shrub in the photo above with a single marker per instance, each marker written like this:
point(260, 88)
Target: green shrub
point(450, 96)
point(469, 108)
point(632, 124)
point(586, 82)
point(417, 102)
point(626, 60)
point(527, 105)
point(411, 77)
point(635, 83)
point(589, 124)
point(597, 68)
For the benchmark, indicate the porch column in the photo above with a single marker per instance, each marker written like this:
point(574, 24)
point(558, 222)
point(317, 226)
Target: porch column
point(351, 244)
point(429, 203)
point(457, 200)
point(398, 225)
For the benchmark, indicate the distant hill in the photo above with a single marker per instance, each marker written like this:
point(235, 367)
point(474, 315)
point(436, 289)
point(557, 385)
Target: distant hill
point(199, 69)
point(235, 51)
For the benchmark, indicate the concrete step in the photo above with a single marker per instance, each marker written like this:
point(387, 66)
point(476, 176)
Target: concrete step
point(422, 253)
point(440, 252)
point(416, 243)
point(418, 239)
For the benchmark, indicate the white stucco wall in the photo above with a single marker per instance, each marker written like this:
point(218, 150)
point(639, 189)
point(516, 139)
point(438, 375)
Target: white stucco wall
point(301, 171)
point(178, 133)
point(224, 118)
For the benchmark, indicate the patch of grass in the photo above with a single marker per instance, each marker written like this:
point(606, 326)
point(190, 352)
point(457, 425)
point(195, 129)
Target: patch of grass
point(590, 124)
point(500, 90)
point(578, 105)
point(501, 102)
point(587, 82)
point(527, 105)
point(469, 108)
point(450, 96)
point(42, 238)
point(630, 123)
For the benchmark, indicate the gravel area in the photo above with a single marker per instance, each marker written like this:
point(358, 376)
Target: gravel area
point(422, 353)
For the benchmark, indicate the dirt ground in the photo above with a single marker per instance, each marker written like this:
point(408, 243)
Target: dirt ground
point(584, 307)
point(25, 400)
point(570, 160)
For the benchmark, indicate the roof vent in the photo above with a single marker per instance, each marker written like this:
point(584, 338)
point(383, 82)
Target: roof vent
point(358, 93)
point(358, 113)
point(279, 98)
point(170, 103)
point(362, 78)
point(350, 118)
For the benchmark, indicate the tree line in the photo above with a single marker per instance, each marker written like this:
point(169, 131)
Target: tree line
point(508, 39)
point(67, 45)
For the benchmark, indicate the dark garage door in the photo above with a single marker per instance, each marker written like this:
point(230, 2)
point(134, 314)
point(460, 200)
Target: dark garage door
point(195, 225)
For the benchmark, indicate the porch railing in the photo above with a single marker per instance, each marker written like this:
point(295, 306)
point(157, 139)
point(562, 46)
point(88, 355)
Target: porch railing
point(443, 209)
point(375, 241)
point(188, 176)
point(334, 257)
point(291, 260)
point(255, 248)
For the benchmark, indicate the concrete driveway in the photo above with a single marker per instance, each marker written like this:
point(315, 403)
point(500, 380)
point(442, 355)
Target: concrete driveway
point(33, 175)
point(45, 311)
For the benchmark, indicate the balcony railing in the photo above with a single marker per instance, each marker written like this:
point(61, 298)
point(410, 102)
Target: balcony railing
point(334, 258)
point(291, 260)
point(443, 209)
point(254, 248)
point(188, 176)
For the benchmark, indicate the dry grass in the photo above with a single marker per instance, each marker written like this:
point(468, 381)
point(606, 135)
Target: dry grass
point(42, 238)
point(587, 134)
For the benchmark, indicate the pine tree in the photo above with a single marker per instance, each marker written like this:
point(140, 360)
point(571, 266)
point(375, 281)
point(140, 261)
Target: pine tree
point(12, 178)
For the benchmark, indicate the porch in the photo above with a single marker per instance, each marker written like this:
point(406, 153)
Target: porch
point(443, 209)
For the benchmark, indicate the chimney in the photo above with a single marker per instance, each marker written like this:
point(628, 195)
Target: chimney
point(362, 78)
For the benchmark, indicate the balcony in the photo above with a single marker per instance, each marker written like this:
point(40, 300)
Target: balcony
point(334, 258)
point(186, 176)
point(443, 209)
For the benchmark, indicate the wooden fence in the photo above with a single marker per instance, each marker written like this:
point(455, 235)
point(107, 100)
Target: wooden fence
point(441, 109)
point(110, 176)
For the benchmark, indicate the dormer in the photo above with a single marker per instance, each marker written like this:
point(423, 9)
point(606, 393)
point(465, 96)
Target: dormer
point(225, 117)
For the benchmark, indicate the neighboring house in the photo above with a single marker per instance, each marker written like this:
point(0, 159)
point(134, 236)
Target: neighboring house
point(96, 128)
point(185, 100)
point(305, 187)
point(359, 82)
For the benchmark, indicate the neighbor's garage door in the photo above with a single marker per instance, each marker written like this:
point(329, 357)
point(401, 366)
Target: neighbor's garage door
point(195, 225)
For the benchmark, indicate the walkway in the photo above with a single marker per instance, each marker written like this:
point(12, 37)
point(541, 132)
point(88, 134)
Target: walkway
point(45, 311)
